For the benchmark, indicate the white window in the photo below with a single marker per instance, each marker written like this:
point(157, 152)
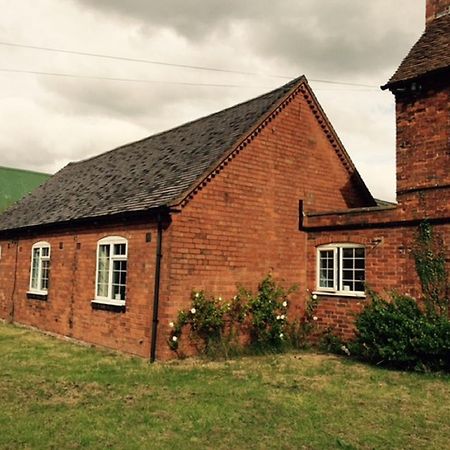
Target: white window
point(111, 280)
point(341, 269)
point(40, 268)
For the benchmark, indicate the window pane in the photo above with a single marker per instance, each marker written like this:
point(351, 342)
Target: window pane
point(347, 263)
point(35, 269)
point(348, 252)
point(120, 249)
point(359, 275)
point(353, 269)
point(326, 269)
point(44, 274)
point(119, 280)
point(45, 251)
point(103, 251)
point(103, 271)
point(348, 286)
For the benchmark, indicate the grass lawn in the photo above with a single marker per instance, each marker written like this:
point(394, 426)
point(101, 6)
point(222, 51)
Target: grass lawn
point(59, 395)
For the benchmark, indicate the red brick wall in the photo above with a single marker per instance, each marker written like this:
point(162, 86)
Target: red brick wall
point(245, 222)
point(68, 310)
point(389, 266)
point(423, 140)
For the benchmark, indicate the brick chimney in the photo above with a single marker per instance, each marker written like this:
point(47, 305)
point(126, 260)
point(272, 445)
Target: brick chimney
point(437, 8)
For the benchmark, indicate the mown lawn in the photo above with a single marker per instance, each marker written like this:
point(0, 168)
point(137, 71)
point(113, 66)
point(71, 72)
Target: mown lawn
point(58, 395)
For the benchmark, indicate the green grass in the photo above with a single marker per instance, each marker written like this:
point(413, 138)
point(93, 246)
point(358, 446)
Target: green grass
point(58, 395)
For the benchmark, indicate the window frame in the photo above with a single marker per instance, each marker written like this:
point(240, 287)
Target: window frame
point(40, 290)
point(338, 270)
point(110, 241)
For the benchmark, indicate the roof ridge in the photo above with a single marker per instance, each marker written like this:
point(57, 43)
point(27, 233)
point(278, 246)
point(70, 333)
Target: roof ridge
point(185, 124)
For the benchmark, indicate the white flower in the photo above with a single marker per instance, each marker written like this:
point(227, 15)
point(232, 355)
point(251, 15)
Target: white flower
point(285, 303)
point(314, 297)
point(235, 297)
point(281, 335)
point(315, 318)
point(197, 294)
point(193, 311)
point(282, 317)
point(345, 350)
point(174, 339)
point(220, 299)
point(171, 324)
point(278, 317)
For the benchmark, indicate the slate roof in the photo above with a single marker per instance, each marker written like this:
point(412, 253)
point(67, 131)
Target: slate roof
point(431, 53)
point(145, 174)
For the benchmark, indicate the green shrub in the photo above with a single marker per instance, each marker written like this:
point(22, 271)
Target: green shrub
point(215, 326)
point(429, 255)
point(206, 319)
point(399, 334)
point(268, 314)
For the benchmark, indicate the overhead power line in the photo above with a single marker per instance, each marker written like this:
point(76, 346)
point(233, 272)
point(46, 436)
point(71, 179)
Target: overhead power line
point(171, 64)
point(139, 80)
point(134, 80)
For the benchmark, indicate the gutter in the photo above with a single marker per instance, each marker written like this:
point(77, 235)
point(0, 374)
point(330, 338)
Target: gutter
point(155, 319)
point(13, 293)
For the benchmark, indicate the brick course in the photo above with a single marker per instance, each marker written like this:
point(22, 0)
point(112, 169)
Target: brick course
point(68, 311)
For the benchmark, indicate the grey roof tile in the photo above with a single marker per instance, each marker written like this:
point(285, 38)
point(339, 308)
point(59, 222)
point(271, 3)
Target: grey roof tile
point(431, 53)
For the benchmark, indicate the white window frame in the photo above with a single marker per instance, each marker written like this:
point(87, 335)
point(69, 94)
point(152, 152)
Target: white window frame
point(111, 241)
point(338, 271)
point(39, 245)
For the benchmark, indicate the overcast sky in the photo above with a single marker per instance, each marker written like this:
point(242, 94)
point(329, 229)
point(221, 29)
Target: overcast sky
point(46, 122)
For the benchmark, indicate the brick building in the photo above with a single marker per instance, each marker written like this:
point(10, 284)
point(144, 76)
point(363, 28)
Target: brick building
point(111, 246)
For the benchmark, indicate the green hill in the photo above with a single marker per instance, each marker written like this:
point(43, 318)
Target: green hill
point(15, 183)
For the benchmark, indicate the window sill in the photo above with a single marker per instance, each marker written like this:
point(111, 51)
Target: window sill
point(33, 295)
point(340, 294)
point(105, 305)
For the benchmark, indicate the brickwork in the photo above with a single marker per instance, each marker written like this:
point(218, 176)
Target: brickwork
point(245, 221)
point(67, 310)
point(390, 267)
point(423, 136)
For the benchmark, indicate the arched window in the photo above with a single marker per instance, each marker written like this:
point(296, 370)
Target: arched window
point(341, 269)
point(111, 279)
point(40, 268)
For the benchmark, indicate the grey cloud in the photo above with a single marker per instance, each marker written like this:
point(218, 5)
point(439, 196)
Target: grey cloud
point(149, 104)
point(191, 18)
point(335, 37)
point(30, 152)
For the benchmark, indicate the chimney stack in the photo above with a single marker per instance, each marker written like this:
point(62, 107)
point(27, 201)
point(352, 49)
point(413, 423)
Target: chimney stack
point(436, 9)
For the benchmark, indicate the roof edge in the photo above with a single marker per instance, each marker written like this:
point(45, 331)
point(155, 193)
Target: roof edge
point(247, 137)
point(392, 85)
